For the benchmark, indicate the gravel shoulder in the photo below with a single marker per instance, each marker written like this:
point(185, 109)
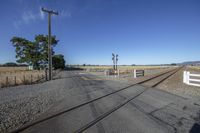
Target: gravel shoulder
point(21, 104)
point(175, 85)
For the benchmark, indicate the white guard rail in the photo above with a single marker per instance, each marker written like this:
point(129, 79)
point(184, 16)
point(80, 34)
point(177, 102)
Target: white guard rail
point(189, 78)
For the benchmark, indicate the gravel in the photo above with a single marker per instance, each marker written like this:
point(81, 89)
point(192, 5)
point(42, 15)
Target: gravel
point(129, 78)
point(175, 85)
point(21, 104)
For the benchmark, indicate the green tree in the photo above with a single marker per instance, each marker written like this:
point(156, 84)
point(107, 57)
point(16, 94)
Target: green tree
point(33, 52)
point(58, 61)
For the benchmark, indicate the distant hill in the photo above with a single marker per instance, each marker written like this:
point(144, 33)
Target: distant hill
point(191, 63)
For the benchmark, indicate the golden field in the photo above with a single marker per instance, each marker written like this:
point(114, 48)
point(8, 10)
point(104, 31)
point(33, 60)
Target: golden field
point(11, 76)
point(12, 69)
point(122, 67)
point(194, 67)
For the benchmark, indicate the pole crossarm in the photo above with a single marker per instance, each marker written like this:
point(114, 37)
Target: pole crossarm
point(49, 11)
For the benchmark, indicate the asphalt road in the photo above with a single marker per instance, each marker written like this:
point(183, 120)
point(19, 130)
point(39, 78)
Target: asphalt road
point(154, 111)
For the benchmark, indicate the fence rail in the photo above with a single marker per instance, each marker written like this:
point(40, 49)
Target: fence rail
point(135, 73)
point(138, 73)
point(189, 78)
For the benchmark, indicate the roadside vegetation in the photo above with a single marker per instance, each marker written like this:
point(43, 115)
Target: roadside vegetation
point(35, 53)
point(30, 53)
point(121, 67)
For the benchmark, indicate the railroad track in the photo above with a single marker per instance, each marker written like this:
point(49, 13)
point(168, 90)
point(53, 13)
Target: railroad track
point(104, 115)
point(162, 77)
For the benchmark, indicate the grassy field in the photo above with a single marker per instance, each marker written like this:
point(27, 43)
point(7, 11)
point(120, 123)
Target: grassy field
point(11, 76)
point(12, 69)
point(122, 67)
point(194, 67)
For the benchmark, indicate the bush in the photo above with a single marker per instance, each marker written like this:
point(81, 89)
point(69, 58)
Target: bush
point(58, 61)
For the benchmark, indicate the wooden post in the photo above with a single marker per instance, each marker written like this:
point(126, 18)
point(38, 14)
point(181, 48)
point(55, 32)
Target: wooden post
point(38, 77)
point(184, 77)
point(46, 76)
point(15, 80)
point(134, 73)
point(7, 81)
point(24, 79)
point(31, 78)
point(188, 77)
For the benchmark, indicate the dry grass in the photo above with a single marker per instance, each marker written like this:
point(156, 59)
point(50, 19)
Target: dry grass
point(194, 67)
point(122, 68)
point(174, 84)
point(10, 76)
point(12, 69)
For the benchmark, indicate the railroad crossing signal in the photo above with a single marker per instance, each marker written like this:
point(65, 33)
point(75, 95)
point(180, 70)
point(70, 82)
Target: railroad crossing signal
point(50, 12)
point(115, 60)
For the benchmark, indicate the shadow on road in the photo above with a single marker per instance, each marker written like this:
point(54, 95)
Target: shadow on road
point(195, 128)
point(73, 69)
point(65, 77)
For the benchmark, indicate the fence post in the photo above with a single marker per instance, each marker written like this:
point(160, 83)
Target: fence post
point(46, 74)
point(15, 80)
point(6, 81)
point(105, 72)
point(184, 77)
point(188, 77)
point(24, 79)
point(38, 77)
point(134, 73)
point(31, 78)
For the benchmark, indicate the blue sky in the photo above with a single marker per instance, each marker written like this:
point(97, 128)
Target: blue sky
point(140, 31)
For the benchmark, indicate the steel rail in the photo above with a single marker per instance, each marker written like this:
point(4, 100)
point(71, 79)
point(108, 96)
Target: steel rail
point(104, 115)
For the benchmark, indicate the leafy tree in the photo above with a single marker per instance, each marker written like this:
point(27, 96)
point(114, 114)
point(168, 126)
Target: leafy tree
point(58, 61)
point(33, 52)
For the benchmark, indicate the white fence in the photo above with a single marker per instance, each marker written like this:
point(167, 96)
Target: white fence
point(116, 72)
point(189, 79)
point(138, 73)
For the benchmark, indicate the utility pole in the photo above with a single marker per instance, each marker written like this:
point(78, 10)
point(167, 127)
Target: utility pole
point(50, 12)
point(113, 58)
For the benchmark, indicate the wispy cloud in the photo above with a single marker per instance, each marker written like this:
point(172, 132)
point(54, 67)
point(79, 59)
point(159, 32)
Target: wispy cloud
point(65, 14)
point(28, 17)
point(17, 24)
point(42, 15)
